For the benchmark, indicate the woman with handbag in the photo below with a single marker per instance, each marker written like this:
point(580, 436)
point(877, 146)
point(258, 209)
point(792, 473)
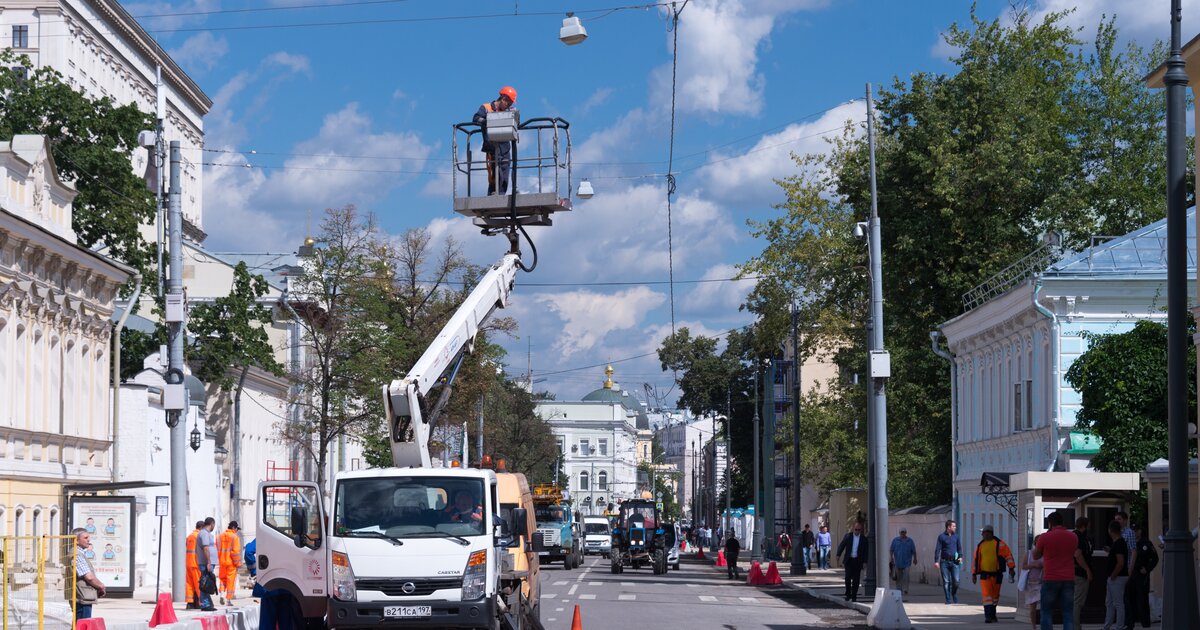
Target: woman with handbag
point(1030, 584)
point(88, 587)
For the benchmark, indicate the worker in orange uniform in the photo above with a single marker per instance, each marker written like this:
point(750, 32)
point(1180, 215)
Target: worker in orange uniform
point(229, 555)
point(991, 557)
point(499, 154)
point(193, 570)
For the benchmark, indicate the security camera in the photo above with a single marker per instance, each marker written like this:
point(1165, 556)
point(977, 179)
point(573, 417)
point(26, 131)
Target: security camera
point(860, 229)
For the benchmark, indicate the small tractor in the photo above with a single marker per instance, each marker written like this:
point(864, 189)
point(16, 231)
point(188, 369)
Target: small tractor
point(639, 538)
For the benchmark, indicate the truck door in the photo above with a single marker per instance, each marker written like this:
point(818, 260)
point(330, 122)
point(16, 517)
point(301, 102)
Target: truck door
point(292, 548)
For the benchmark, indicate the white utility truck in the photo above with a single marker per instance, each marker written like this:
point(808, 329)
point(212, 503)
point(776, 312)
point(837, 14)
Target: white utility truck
point(414, 546)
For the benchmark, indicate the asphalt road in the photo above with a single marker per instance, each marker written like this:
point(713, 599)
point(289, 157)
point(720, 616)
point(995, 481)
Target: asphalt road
point(696, 597)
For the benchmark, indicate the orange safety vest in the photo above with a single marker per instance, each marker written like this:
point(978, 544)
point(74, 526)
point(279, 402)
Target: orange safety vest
point(191, 550)
point(229, 548)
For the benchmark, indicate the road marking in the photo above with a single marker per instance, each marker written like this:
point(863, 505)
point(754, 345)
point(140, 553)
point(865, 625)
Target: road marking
point(561, 583)
point(750, 600)
point(707, 598)
point(631, 584)
point(627, 597)
point(549, 595)
point(595, 584)
point(574, 587)
point(691, 585)
point(559, 609)
point(587, 596)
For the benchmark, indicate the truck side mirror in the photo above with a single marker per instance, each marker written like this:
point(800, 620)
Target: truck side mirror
point(520, 525)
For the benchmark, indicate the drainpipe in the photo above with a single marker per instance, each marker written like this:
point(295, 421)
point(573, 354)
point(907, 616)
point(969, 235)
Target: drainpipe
point(934, 336)
point(1056, 396)
point(116, 370)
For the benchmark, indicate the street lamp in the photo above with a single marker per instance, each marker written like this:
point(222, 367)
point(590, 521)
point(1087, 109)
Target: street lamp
point(572, 31)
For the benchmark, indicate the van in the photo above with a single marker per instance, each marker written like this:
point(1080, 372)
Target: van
point(597, 535)
point(513, 492)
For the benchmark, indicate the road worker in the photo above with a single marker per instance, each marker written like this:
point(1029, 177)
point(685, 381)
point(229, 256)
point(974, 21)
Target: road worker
point(193, 570)
point(499, 155)
point(229, 553)
point(992, 557)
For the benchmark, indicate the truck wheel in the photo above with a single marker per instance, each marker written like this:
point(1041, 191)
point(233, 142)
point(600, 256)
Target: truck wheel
point(659, 559)
point(568, 562)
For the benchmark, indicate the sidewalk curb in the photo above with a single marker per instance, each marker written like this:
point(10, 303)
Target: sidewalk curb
point(865, 609)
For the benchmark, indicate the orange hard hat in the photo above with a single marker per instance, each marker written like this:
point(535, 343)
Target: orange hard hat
point(509, 92)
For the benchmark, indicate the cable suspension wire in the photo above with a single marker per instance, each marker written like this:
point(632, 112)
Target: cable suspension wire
point(671, 157)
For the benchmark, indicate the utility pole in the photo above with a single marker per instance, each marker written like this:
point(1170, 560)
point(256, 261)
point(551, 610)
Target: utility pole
point(728, 477)
point(755, 544)
point(880, 370)
point(1179, 572)
point(175, 336)
point(479, 434)
point(799, 566)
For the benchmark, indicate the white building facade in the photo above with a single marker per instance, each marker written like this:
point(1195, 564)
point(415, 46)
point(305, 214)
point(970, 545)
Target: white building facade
point(55, 302)
point(1013, 410)
point(102, 51)
point(598, 439)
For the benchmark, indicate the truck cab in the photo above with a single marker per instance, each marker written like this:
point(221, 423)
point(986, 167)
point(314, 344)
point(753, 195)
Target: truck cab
point(402, 548)
point(557, 537)
point(597, 535)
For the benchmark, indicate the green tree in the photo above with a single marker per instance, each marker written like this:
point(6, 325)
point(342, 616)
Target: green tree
point(91, 141)
point(1029, 134)
point(230, 334)
point(513, 431)
point(1122, 381)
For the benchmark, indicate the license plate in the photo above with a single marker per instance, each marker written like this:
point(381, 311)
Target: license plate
point(407, 611)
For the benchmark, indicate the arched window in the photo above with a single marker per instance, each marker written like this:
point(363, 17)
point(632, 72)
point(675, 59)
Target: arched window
point(583, 481)
point(602, 480)
point(19, 530)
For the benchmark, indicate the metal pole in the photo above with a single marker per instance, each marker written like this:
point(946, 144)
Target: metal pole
point(878, 384)
point(158, 571)
point(592, 481)
point(1179, 573)
point(755, 546)
point(799, 566)
point(869, 526)
point(728, 477)
point(479, 435)
point(175, 335)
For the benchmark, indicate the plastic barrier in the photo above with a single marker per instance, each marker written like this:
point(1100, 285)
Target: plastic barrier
point(164, 611)
point(755, 576)
point(215, 622)
point(721, 558)
point(95, 623)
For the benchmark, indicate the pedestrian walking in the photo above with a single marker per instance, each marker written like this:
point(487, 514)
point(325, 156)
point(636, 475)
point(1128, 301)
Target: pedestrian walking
point(192, 580)
point(824, 545)
point(1083, 570)
point(251, 557)
point(947, 559)
point(498, 154)
point(1118, 575)
point(1130, 538)
point(992, 556)
point(229, 554)
point(1058, 550)
point(854, 551)
point(903, 556)
point(785, 546)
point(808, 542)
point(206, 559)
point(732, 548)
point(1030, 583)
point(88, 587)
point(1145, 558)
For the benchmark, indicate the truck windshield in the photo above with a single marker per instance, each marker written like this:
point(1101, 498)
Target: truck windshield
point(409, 507)
point(550, 514)
point(595, 528)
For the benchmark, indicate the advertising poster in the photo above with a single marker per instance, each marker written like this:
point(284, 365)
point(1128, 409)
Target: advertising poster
point(110, 521)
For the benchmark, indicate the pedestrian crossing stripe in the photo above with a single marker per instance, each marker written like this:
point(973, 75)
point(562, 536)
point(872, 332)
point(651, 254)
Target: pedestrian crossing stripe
point(627, 597)
point(587, 596)
point(707, 598)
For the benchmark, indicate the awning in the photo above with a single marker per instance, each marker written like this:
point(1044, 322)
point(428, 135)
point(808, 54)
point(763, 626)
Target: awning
point(1083, 443)
point(112, 485)
point(995, 481)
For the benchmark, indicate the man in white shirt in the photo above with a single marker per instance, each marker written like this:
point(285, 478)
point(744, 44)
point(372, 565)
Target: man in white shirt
point(854, 551)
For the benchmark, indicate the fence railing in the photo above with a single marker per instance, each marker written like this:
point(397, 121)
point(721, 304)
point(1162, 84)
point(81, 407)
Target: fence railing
point(39, 582)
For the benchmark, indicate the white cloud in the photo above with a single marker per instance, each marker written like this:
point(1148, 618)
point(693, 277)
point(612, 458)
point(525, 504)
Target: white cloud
point(200, 52)
point(1137, 19)
point(750, 174)
point(719, 43)
point(588, 316)
point(295, 63)
point(173, 14)
point(717, 299)
point(598, 98)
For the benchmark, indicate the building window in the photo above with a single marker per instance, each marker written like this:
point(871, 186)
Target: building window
point(584, 447)
point(559, 442)
point(1018, 407)
point(20, 36)
point(602, 444)
point(1029, 403)
point(602, 480)
point(583, 481)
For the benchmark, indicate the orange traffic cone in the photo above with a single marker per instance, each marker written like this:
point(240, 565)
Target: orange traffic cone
point(699, 552)
point(772, 577)
point(164, 611)
point(721, 558)
point(576, 624)
point(755, 576)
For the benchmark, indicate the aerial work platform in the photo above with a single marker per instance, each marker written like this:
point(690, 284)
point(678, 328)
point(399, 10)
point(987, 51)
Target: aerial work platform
point(539, 176)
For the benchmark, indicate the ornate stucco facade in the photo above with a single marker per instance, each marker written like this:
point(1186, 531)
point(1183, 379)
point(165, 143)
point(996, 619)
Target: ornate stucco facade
point(55, 302)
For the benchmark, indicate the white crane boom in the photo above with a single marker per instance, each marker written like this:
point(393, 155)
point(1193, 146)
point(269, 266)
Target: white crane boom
point(403, 399)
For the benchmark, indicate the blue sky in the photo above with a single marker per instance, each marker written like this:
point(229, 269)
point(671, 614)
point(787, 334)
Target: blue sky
point(757, 79)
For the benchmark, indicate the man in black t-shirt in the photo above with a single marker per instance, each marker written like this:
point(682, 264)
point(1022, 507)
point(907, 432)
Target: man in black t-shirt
point(1082, 574)
point(1118, 575)
point(1145, 558)
point(732, 548)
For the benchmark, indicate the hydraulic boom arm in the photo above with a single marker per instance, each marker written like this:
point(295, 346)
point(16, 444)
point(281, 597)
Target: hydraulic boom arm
point(404, 398)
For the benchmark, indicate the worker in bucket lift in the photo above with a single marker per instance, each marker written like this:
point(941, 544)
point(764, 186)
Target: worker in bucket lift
point(499, 155)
